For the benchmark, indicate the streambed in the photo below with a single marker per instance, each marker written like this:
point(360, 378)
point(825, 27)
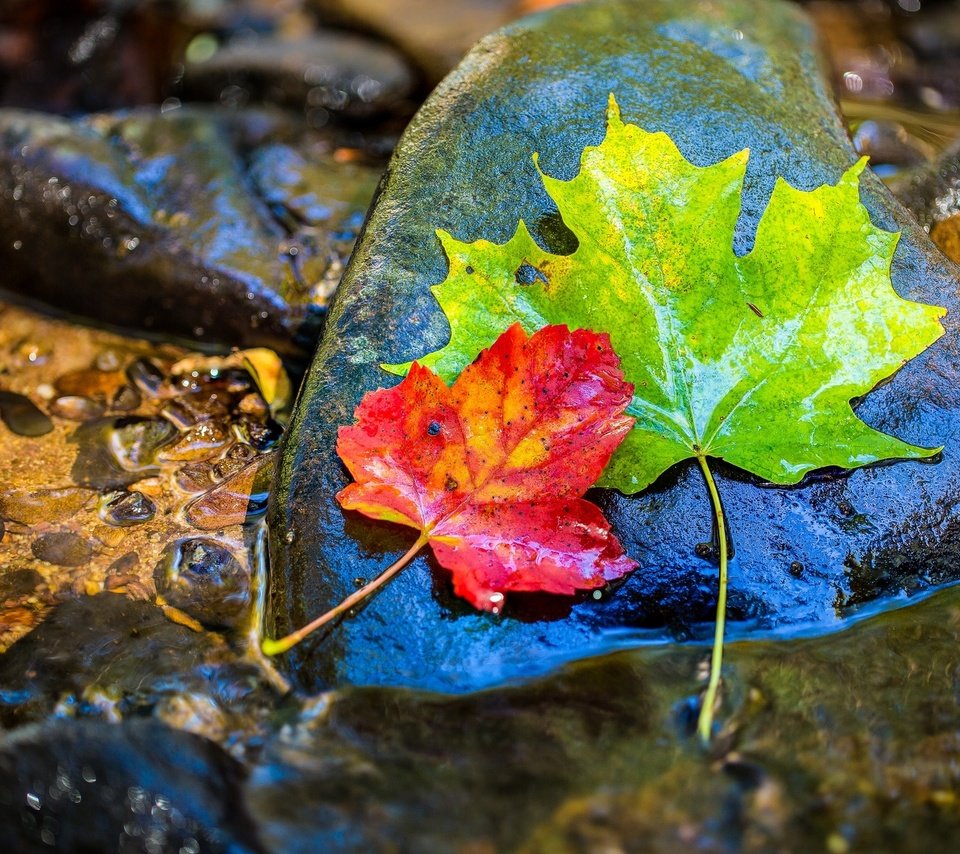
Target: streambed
point(139, 714)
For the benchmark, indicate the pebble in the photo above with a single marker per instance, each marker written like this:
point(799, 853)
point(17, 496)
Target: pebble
point(148, 378)
point(197, 443)
point(63, 548)
point(204, 579)
point(240, 498)
point(126, 399)
point(124, 509)
point(32, 506)
point(75, 407)
point(22, 416)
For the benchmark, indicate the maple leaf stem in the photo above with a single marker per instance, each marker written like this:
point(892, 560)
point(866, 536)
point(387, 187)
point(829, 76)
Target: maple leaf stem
point(275, 647)
point(705, 721)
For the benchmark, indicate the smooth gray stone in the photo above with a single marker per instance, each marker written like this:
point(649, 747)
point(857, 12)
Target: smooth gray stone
point(718, 77)
point(151, 222)
point(334, 73)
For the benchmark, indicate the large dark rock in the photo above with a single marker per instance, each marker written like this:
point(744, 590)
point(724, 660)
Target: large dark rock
point(89, 786)
point(718, 78)
point(152, 222)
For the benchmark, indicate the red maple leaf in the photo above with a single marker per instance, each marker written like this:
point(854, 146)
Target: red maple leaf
point(490, 470)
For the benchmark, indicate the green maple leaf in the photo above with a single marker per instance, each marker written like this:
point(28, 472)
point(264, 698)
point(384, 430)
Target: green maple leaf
point(753, 359)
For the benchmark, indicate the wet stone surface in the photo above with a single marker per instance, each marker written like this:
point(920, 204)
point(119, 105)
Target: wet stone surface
point(474, 140)
point(325, 75)
point(823, 748)
point(126, 508)
point(144, 787)
point(92, 204)
point(202, 578)
point(63, 548)
point(21, 416)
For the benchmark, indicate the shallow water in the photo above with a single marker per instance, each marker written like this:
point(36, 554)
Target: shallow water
point(134, 571)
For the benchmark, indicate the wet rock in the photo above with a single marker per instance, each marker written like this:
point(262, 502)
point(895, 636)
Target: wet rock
point(234, 460)
point(137, 786)
point(260, 435)
point(933, 196)
point(149, 379)
point(18, 582)
point(21, 415)
point(63, 548)
point(890, 146)
point(195, 477)
point(96, 384)
point(434, 35)
point(718, 79)
point(123, 509)
point(126, 399)
point(240, 498)
point(74, 407)
point(411, 760)
point(204, 579)
point(327, 222)
point(114, 452)
point(327, 74)
point(88, 206)
point(30, 506)
point(850, 737)
point(98, 646)
point(196, 443)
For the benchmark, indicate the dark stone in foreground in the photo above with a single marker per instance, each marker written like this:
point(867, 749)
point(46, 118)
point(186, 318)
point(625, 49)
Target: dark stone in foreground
point(850, 738)
point(85, 786)
point(718, 80)
point(151, 222)
point(98, 653)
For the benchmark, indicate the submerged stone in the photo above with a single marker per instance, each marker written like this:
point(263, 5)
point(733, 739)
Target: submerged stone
point(98, 654)
point(115, 452)
point(137, 786)
point(63, 548)
point(717, 78)
point(22, 416)
point(851, 736)
point(88, 206)
point(239, 498)
point(30, 506)
point(204, 579)
point(124, 509)
point(326, 74)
